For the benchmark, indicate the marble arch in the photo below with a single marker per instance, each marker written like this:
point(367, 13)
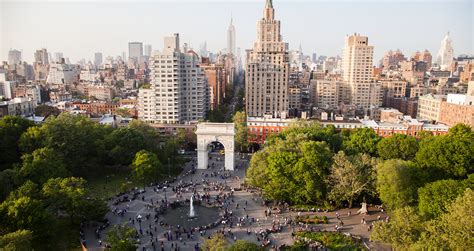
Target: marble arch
point(210, 132)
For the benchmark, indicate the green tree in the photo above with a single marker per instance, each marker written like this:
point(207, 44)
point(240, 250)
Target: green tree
point(397, 183)
point(11, 128)
point(403, 230)
point(150, 134)
point(435, 197)
point(66, 194)
point(446, 156)
point(256, 173)
point(462, 131)
point(453, 229)
point(216, 243)
point(362, 140)
point(46, 111)
point(241, 131)
point(8, 181)
point(23, 213)
point(77, 140)
point(242, 245)
point(122, 238)
point(398, 146)
point(31, 140)
point(146, 167)
point(351, 176)
point(41, 165)
point(124, 143)
point(19, 240)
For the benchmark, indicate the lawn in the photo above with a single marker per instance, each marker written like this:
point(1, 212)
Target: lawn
point(107, 186)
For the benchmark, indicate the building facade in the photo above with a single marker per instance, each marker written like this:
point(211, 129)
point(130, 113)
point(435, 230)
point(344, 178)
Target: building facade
point(179, 91)
point(267, 69)
point(357, 69)
point(429, 105)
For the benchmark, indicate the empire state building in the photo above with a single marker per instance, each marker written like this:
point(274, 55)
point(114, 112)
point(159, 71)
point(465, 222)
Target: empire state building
point(267, 69)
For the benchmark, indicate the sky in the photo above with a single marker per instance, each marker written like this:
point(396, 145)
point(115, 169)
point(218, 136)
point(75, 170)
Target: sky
point(78, 28)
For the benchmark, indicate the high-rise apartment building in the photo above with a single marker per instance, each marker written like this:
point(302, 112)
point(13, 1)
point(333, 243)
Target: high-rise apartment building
point(178, 91)
point(98, 59)
point(41, 57)
point(357, 69)
point(231, 38)
point(14, 57)
point(135, 51)
point(148, 50)
point(58, 57)
point(267, 70)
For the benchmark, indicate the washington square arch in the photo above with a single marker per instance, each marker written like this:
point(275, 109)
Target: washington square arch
point(215, 132)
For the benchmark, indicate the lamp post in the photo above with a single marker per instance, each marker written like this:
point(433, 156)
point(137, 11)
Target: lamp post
point(169, 172)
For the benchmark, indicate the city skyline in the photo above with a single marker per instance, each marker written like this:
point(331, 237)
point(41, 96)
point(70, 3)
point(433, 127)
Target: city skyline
point(84, 23)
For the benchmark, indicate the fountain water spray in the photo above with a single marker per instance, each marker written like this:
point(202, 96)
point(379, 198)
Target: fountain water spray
point(192, 214)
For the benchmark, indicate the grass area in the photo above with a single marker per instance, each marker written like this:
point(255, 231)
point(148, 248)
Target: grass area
point(109, 185)
point(312, 219)
point(333, 240)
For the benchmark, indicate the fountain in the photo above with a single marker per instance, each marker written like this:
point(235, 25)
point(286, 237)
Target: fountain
point(192, 214)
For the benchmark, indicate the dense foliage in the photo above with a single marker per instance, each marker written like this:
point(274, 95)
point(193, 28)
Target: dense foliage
point(422, 181)
point(44, 193)
point(332, 240)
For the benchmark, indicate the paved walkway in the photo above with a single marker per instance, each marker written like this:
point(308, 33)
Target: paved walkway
point(254, 209)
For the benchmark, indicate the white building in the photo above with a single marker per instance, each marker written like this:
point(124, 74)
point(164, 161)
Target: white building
point(20, 107)
point(357, 70)
point(445, 53)
point(7, 88)
point(62, 74)
point(179, 91)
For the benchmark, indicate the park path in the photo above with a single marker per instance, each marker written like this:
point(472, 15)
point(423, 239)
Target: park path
point(254, 209)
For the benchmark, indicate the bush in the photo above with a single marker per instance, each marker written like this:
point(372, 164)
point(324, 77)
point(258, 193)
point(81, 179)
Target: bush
point(333, 240)
point(311, 219)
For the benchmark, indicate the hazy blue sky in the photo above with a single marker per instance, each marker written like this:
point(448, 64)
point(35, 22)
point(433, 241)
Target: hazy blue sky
point(80, 28)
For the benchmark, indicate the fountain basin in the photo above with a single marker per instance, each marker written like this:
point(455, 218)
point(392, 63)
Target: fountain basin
point(180, 216)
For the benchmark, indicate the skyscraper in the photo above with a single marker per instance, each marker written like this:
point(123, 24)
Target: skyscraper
point(148, 50)
point(267, 70)
point(231, 38)
point(14, 57)
point(41, 57)
point(58, 56)
point(357, 70)
point(445, 53)
point(135, 51)
point(178, 91)
point(98, 59)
